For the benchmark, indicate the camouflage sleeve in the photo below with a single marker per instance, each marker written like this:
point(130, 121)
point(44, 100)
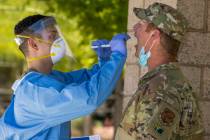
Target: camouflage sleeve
point(157, 117)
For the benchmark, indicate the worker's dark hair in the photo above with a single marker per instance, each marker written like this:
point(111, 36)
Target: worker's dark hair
point(27, 22)
point(22, 25)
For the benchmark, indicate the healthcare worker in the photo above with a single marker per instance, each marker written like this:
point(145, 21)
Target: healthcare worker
point(45, 100)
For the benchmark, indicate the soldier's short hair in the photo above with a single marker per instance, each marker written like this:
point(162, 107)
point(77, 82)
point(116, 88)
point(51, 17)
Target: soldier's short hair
point(167, 42)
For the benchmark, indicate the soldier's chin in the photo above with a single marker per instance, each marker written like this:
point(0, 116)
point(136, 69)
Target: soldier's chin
point(136, 54)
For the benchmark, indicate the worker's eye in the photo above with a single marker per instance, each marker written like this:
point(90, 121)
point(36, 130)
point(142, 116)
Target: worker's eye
point(53, 36)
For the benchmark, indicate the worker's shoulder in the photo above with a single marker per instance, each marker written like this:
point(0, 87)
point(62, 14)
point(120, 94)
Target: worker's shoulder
point(33, 77)
point(37, 79)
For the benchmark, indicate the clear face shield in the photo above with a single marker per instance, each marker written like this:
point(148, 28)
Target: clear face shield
point(46, 30)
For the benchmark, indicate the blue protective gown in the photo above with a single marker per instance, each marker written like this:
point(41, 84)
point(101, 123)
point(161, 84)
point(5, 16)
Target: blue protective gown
point(43, 104)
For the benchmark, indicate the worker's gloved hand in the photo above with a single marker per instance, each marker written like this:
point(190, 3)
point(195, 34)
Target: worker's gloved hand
point(118, 43)
point(102, 48)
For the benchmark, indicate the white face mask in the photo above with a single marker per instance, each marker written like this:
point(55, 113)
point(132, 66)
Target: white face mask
point(58, 50)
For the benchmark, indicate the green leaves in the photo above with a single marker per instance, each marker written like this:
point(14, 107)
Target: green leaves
point(80, 20)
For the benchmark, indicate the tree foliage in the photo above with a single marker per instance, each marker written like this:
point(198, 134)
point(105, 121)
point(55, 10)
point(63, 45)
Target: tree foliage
point(80, 20)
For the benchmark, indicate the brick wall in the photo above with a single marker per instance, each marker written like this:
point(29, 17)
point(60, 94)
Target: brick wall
point(194, 55)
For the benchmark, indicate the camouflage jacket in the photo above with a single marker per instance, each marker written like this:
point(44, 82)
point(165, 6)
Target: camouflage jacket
point(164, 107)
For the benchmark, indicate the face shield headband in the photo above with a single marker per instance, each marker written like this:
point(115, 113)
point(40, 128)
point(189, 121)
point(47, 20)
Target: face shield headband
point(35, 31)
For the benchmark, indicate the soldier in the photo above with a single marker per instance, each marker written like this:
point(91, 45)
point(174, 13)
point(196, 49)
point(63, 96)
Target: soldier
point(164, 106)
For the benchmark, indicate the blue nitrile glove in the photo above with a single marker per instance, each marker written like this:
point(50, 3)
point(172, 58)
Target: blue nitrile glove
point(118, 43)
point(102, 48)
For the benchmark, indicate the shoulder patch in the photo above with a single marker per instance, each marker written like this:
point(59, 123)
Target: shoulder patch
point(167, 116)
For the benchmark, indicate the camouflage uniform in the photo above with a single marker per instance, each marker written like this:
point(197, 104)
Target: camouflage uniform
point(164, 106)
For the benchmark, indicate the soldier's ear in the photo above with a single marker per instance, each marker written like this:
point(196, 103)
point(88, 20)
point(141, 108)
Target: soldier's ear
point(156, 34)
